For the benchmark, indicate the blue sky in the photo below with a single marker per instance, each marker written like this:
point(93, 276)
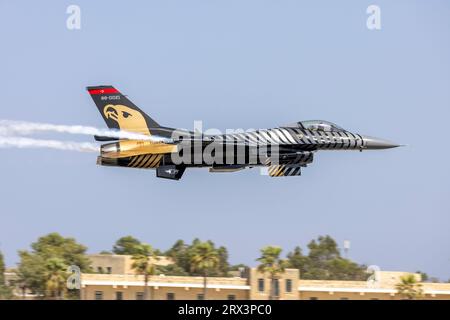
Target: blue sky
point(236, 64)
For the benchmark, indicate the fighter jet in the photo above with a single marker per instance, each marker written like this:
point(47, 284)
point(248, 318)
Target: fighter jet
point(283, 150)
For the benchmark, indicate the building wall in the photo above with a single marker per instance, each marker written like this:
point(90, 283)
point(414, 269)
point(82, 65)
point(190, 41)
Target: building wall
point(102, 263)
point(391, 278)
point(255, 277)
point(123, 279)
point(188, 288)
point(161, 293)
point(159, 286)
point(120, 264)
point(324, 295)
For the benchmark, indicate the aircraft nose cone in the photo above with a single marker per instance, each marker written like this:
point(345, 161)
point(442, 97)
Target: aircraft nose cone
point(377, 143)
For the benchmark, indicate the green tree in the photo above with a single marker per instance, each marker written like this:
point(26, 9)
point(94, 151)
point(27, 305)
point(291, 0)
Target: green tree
point(31, 272)
point(32, 269)
point(271, 263)
point(344, 269)
point(144, 260)
point(56, 275)
point(2, 270)
point(324, 262)
point(204, 259)
point(324, 249)
point(223, 266)
point(180, 255)
point(297, 260)
point(423, 276)
point(409, 287)
point(5, 291)
point(171, 270)
point(127, 245)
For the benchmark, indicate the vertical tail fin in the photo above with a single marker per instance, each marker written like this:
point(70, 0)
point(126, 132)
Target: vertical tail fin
point(119, 112)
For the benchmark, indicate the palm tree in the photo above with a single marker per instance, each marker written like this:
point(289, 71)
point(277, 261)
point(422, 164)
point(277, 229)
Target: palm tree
point(204, 258)
point(55, 271)
point(409, 287)
point(271, 263)
point(143, 264)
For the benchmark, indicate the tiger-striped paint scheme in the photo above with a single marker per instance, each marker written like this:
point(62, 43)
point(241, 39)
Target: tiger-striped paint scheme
point(284, 170)
point(308, 139)
point(286, 148)
point(145, 161)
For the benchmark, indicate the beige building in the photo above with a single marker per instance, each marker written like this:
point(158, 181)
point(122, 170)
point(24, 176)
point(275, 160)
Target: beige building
point(119, 264)
point(122, 283)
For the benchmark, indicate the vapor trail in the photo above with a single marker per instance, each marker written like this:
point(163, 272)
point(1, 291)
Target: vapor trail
point(20, 142)
point(11, 128)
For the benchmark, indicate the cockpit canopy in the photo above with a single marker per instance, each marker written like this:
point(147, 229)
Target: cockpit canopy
point(319, 125)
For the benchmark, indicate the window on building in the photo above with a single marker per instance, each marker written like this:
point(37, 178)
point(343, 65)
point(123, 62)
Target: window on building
point(288, 285)
point(139, 296)
point(98, 295)
point(261, 285)
point(313, 298)
point(276, 287)
point(200, 296)
point(171, 296)
point(119, 295)
point(109, 270)
point(231, 297)
point(99, 269)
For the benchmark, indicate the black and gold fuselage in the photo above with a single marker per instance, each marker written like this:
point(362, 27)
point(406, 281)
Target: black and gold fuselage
point(283, 150)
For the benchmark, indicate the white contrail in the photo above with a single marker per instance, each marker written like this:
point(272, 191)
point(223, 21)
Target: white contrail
point(9, 127)
point(21, 142)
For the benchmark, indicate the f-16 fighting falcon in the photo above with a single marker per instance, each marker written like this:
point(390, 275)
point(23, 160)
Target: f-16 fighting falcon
point(283, 150)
